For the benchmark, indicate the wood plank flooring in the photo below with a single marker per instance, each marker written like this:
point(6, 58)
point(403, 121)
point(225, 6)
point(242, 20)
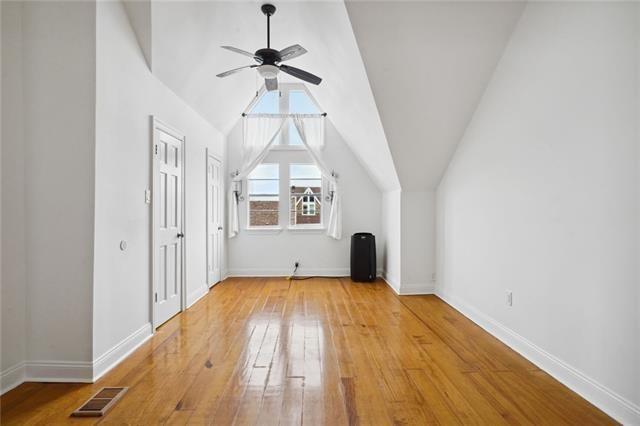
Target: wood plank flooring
point(270, 351)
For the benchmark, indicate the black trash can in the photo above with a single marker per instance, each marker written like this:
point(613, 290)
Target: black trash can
point(363, 257)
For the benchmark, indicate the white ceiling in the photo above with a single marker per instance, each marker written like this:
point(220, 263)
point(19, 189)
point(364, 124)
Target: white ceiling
point(428, 64)
point(186, 56)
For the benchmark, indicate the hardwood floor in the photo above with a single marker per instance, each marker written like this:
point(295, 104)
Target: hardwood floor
point(320, 351)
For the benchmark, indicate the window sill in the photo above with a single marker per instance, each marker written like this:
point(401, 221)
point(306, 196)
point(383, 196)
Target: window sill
point(307, 229)
point(264, 231)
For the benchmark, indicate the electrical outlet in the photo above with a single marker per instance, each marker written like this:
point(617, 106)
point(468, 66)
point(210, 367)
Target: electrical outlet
point(509, 298)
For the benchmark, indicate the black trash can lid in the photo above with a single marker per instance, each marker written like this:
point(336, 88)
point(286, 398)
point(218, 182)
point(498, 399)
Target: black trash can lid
point(359, 234)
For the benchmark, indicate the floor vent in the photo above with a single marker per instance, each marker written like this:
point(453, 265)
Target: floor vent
point(100, 403)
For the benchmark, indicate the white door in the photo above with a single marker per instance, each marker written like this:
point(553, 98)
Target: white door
point(168, 227)
point(214, 219)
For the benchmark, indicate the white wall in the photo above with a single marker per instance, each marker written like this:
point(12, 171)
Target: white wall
point(13, 279)
point(59, 102)
point(139, 14)
point(260, 253)
point(541, 198)
point(127, 95)
point(408, 226)
point(392, 233)
point(47, 209)
point(73, 303)
point(638, 191)
point(417, 242)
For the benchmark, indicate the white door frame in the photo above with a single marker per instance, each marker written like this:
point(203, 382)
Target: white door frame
point(157, 124)
point(222, 195)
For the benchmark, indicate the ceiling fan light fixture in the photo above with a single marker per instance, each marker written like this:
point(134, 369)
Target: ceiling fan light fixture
point(268, 71)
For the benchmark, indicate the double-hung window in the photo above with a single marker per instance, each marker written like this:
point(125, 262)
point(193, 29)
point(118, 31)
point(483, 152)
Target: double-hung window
point(305, 195)
point(264, 196)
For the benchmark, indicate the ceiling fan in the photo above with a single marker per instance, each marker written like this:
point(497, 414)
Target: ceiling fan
point(270, 60)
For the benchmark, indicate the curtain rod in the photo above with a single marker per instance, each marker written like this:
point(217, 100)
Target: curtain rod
point(324, 114)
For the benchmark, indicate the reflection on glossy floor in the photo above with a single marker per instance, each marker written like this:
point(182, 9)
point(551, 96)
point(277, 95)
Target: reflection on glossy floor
point(321, 351)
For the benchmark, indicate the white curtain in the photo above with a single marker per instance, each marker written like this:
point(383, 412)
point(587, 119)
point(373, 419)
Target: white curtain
point(260, 132)
point(311, 130)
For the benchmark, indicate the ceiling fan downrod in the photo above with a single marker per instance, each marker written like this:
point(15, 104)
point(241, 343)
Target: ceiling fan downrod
point(268, 9)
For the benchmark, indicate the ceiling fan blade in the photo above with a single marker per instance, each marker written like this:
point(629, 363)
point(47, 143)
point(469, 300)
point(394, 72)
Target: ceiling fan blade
point(235, 70)
point(271, 84)
point(243, 52)
point(292, 52)
point(301, 74)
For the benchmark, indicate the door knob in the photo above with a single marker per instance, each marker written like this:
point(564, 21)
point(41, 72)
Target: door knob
point(180, 235)
point(219, 228)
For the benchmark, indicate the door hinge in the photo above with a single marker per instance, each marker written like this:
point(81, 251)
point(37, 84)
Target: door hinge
point(155, 149)
point(155, 296)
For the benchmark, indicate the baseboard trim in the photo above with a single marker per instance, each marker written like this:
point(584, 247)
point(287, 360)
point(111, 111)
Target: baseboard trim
point(114, 356)
point(391, 282)
point(73, 371)
point(417, 289)
point(196, 295)
point(599, 395)
point(59, 371)
point(280, 272)
point(12, 377)
point(407, 289)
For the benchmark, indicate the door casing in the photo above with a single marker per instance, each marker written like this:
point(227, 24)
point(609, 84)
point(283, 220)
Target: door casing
point(158, 125)
point(221, 216)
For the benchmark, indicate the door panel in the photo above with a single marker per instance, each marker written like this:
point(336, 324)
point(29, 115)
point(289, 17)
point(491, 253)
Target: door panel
point(214, 220)
point(168, 240)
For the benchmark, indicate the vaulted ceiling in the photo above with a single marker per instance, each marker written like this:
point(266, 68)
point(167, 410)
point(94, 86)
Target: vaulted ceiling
point(186, 55)
point(428, 63)
point(401, 80)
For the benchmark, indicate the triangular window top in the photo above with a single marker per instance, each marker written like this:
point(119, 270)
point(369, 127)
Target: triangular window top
point(289, 99)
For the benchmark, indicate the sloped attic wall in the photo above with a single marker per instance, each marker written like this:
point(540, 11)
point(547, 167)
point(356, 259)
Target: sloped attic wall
point(74, 303)
point(546, 204)
point(127, 95)
point(428, 64)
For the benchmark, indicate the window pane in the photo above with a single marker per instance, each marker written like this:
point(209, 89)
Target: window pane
point(264, 192)
point(294, 136)
point(269, 103)
point(300, 103)
point(305, 193)
point(302, 171)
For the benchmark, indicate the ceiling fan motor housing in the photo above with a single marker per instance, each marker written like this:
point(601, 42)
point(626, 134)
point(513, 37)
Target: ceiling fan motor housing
point(269, 56)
